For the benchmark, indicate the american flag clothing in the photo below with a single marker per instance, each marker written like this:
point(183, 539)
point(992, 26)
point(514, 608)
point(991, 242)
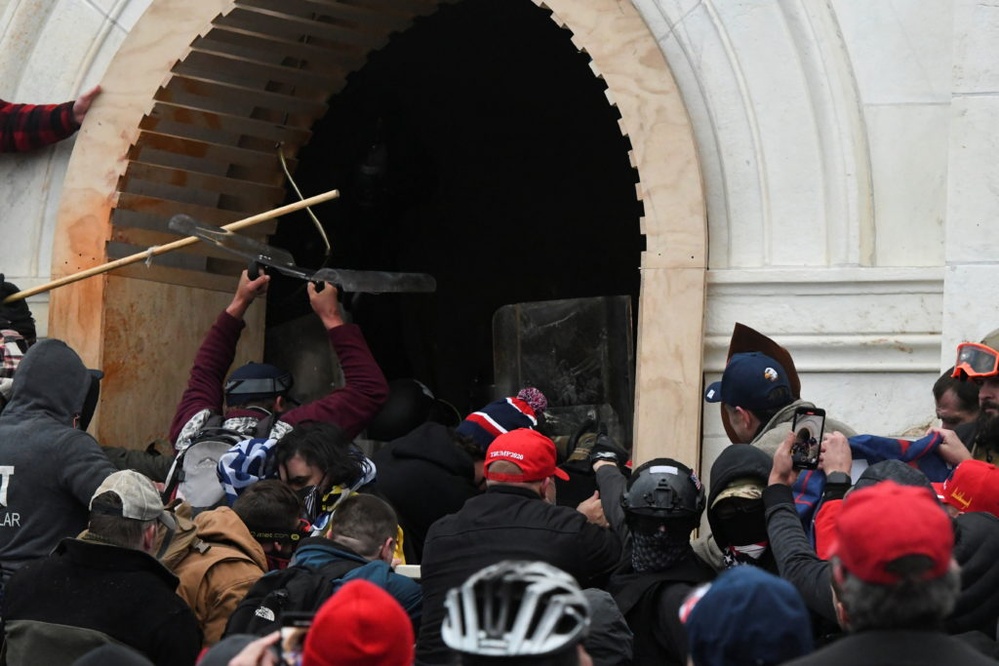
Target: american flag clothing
point(25, 127)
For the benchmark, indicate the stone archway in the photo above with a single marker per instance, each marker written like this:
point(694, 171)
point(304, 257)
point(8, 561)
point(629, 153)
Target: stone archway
point(194, 103)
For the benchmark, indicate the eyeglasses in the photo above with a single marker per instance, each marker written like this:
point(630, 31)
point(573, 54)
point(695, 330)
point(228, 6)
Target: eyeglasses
point(975, 360)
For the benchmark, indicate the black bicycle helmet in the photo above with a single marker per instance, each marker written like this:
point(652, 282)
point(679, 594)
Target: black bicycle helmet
point(516, 609)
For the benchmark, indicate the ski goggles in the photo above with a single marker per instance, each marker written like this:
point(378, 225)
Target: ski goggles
point(975, 360)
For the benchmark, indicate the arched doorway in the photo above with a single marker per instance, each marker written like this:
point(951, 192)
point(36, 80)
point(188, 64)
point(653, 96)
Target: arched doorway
point(501, 171)
point(253, 73)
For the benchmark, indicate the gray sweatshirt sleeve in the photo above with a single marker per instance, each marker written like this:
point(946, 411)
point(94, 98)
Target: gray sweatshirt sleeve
point(796, 560)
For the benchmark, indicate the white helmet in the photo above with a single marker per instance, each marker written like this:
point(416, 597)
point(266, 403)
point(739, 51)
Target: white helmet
point(516, 608)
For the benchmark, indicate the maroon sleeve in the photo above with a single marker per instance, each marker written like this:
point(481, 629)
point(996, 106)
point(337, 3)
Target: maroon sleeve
point(364, 392)
point(206, 383)
point(25, 127)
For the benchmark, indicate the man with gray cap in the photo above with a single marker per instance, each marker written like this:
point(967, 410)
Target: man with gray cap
point(49, 467)
point(104, 587)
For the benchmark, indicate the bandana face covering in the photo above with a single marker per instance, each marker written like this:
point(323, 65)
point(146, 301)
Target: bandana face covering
point(748, 554)
point(658, 551)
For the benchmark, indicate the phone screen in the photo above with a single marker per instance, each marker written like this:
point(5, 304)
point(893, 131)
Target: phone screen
point(294, 628)
point(808, 425)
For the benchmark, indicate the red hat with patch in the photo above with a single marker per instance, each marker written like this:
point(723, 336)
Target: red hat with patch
point(883, 523)
point(529, 450)
point(972, 486)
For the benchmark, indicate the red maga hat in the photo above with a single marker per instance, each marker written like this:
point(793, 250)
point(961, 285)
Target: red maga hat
point(529, 450)
point(885, 522)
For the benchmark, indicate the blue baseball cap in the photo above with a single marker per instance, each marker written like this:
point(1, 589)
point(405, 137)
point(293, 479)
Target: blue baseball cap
point(256, 381)
point(752, 381)
point(747, 617)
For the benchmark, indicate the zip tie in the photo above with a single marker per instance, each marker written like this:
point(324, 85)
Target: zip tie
point(150, 253)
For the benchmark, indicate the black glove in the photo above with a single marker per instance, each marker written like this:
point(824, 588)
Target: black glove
point(605, 448)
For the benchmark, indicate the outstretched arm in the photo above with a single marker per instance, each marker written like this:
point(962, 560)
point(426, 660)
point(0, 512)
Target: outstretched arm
point(26, 127)
point(218, 349)
point(365, 390)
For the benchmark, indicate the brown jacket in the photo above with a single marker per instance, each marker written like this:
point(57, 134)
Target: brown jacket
point(214, 580)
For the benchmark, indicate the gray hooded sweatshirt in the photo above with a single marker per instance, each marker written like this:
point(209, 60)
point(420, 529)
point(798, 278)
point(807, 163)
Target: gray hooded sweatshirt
point(48, 469)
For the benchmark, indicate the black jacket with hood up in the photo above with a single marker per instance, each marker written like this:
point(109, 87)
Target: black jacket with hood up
point(49, 469)
point(425, 476)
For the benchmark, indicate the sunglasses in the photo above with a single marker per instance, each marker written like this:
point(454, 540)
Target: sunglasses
point(975, 360)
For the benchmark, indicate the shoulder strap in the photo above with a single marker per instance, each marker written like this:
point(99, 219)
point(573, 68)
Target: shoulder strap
point(264, 425)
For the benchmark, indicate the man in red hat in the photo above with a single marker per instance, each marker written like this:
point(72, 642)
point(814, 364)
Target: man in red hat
point(895, 581)
point(515, 519)
point(972, 486)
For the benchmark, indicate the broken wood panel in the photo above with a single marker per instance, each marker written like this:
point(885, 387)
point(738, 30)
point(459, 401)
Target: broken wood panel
point(253, 196)
point(232, 69)
point(154, 206)
point(292, 27)
point(335, 13)
point(167, 275)
point(165, 115)
point(348, 56)
point(129, 219)
point(142, 239)
point(235, 100)
point(208, 151)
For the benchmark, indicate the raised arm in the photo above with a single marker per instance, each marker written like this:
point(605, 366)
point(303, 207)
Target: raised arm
point(796, 560)
point(218, 349)
point(365, 390)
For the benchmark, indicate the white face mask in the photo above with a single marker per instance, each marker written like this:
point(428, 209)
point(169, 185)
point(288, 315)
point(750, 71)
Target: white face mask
point(753, 550)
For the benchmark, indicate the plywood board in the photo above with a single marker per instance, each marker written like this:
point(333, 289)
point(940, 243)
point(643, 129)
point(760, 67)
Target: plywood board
point(145, 373)
point(669, 375)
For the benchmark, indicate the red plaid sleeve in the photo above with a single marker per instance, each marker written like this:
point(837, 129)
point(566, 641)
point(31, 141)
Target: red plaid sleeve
point(25, 127)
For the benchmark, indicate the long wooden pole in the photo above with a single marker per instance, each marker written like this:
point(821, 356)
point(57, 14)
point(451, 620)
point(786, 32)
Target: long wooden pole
point(170, 247)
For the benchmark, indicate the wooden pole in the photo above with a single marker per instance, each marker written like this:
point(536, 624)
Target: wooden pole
point(157, 250)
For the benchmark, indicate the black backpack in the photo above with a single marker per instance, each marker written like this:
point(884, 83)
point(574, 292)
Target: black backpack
point(193, 476)
point(297, 589)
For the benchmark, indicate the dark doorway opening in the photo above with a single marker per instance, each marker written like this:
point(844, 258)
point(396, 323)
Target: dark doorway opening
point(479, 147)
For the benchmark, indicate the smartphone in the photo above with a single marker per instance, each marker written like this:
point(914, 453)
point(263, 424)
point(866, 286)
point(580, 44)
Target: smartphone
point(807, 427)
point(294, 627)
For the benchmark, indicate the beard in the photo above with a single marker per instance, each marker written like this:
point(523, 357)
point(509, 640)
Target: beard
point(986, 443)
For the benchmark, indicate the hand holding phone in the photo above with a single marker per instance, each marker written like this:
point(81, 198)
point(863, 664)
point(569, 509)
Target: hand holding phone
point(294, 627)
point(807, 426)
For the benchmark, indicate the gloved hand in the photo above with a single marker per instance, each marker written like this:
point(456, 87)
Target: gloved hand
point(605, 448)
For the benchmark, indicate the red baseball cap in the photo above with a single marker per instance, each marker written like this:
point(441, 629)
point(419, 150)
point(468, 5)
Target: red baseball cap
point(884, 522)
point(972, 486)
point(529, 450)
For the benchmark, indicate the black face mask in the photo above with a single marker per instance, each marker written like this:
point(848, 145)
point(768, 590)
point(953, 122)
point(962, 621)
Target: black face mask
point(739, 522)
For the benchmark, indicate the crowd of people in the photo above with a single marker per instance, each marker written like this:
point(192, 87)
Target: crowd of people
point(270, 536)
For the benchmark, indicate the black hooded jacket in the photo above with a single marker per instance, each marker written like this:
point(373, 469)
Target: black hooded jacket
point(976, 549)
point(739, 461)
point(425, 476)
point(49, 469)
